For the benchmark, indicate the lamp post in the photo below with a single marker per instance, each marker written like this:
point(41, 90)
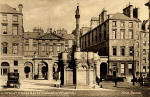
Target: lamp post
point(133, 70)
point(148, 4)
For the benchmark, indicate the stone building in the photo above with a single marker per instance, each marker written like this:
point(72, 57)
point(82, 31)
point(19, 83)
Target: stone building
point(144, 47)
point(117, 36)
point(34, 55)
point(41, 52)
point(11, 40)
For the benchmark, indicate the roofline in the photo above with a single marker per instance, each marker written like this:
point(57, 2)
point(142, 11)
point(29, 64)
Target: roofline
point(125, 19)
point(106, 21)
point(47, 39)
point(94, 28)
point(12, 13)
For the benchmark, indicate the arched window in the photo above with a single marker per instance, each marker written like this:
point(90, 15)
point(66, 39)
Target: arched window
point(4, 68)
point(4, 47)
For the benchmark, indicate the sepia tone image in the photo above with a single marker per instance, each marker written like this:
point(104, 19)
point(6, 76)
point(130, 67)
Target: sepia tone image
point(74, 48)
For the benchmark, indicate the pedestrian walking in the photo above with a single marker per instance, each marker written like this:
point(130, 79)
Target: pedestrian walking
point(115, 80)
point(101, 82)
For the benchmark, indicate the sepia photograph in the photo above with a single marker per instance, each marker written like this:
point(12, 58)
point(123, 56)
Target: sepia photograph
point(74, 48)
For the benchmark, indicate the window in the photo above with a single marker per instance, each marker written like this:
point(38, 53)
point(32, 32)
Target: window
point(34, 47)
point(144, 51)
point(130, 24)
point(144, 59)
point(4, 68)
point(4, 47)
point(4, 16)
point(144, 43)
point(122, 24)
point(122, 34)
point(34, 42)
point(114, 64)
point(16, 70)
point(144, 34)
point(137, 53)
point(26, 47)
point(50, 48)
point(100, 36)
point(122, 69)
point(114, 23)
point(4, 28)
point(15, 48)
point(15, 18)
point(58, 48)
point(5, 71)
point(114, 51)
point(130, 68)
point(15, 29)
point(66, 42)
point(131, 50)
point(122, 51)
point(66, 48)
point(144, 68)
point(42, 47)
point(137, 44)
point(114, 36)
point(130, 34)
point(15, 62)
point(26, 41)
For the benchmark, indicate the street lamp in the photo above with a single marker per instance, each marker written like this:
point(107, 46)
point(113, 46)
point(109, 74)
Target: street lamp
point(133, 70)
point(148, 4)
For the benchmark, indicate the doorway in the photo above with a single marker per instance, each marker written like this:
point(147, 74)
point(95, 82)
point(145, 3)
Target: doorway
point(103, 70)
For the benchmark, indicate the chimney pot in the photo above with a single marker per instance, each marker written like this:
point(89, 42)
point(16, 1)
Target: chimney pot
point(20, 6)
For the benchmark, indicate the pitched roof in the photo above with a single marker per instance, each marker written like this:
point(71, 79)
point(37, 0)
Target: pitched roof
point(121, 16)
point(5, 8)
point(50, 36)
point(31, 35)
point(67, 36)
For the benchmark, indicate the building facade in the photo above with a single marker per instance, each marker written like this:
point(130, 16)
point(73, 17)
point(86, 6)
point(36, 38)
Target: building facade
point(34, 55)
point(11, 39)
point(118, 37)
point(145, 47)
point(41, 52)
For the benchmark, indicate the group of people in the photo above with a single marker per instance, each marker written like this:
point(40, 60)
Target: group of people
point(115, 79)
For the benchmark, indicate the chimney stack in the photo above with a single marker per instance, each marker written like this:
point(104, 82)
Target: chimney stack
point(136, 12)
point(20, 6)
point(103, 16)
point(128, 11)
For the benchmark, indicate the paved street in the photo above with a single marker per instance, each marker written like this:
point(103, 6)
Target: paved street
point(43, 88)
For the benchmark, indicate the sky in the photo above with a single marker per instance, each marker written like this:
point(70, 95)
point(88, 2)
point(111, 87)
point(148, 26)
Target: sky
point(60, 13)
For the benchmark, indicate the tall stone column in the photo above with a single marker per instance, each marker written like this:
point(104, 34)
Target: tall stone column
point(77, 16)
